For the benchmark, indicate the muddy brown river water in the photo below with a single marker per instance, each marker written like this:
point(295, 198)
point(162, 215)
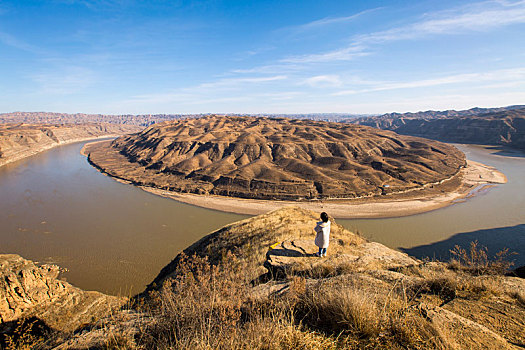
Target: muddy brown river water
point(115, 238)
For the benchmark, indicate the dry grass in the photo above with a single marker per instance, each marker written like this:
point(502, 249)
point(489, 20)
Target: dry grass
point(444, 287)
point(26, 334)
point(520, 298)
point(340, 310)
point(211, 307)
point(207, 306)
point(206, 301)
point(477, 262)
point(365, 316)
point(450, 284)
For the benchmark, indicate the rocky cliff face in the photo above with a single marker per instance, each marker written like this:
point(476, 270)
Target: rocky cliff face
point(276, 158)
point(18, 141)
point(500, 127)
point(30, 290)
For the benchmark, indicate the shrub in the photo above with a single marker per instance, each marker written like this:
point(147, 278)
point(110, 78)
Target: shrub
point(476, 260)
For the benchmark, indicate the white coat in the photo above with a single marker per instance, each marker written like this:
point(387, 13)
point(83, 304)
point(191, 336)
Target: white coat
point(323, 234)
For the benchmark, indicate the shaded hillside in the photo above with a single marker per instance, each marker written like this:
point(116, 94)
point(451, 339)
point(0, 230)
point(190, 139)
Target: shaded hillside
point(18, 141)
point(500, 126)
point(276, 158)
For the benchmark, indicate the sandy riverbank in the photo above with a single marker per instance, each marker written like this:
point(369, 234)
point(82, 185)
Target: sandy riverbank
point(475, 178)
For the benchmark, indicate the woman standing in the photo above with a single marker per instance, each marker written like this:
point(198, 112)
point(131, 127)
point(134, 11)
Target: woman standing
point(323, 234)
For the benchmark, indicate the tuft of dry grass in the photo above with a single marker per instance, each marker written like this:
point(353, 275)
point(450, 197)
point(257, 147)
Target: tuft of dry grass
point(365, 316)
point(444, 287)
point(340, 310)
point(477, 262)
point(209, 306)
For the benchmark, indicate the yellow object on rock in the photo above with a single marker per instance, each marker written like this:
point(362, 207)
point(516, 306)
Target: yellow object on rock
point(273, 246)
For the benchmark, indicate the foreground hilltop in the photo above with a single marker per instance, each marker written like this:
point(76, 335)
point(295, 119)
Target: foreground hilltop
point(256, 284)
point(267, 158)
point(496, 126)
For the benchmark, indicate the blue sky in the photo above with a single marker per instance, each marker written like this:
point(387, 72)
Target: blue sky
point(304, 56)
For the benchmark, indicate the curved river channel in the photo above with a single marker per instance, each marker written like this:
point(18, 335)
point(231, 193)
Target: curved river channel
point(115, 238)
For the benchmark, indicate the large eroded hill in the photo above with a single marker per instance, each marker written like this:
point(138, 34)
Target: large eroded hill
point(276, 158)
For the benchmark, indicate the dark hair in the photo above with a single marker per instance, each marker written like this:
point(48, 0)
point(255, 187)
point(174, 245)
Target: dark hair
point(324, 216)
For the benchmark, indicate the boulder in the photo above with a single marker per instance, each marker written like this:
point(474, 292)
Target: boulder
point(28, 289)
point(297, 256)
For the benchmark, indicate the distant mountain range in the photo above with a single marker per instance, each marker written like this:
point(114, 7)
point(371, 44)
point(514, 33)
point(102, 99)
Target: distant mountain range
point(82, 118)
point(490, 126)
point(147, 119)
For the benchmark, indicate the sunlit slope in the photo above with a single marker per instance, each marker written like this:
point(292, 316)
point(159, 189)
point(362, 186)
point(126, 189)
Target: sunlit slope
point(277, 158)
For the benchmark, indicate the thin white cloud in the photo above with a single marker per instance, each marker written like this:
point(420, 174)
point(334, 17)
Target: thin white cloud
point(330, 20)
point(468, 19)
point(479, 17)
point(202, 92)
point(95, 4)
point(324, 81)
point(516, 74)
point(10, 40)
point(270, 69)
point(65, 81)
point(344, 54)
point(232, 82)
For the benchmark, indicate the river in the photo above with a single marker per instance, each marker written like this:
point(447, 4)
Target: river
point(115, 238)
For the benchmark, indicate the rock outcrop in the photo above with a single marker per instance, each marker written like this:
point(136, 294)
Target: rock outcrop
point(266, 158)
point(18, 141)
point(295, 257)
point(504, 126)
point(30, 290)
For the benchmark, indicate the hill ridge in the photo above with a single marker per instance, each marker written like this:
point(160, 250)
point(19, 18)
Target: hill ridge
point(276, 158)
